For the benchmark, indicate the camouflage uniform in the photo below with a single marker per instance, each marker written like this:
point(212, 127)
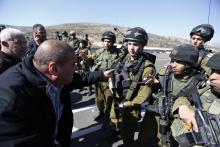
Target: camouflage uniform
point(88, 42)
point(84, 64)
point(149, 134)
point(209, 98)
point(132, 112)
point(136, 68)
point(209, 101)
point(57, 36)
point(206, 32)
point(65, 37)
point(73, 40)
point(103, 59)
point(203, 60)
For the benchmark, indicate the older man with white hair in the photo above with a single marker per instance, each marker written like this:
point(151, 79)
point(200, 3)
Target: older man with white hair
point(13, 47)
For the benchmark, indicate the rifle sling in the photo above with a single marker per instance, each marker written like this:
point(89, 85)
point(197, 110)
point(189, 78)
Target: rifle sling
point(187, 89)
point(137, 77)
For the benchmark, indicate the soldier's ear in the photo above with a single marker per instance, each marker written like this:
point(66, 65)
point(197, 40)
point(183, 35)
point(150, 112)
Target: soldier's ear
point(5, 43)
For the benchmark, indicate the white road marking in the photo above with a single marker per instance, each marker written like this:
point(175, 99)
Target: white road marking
point(83, 109)
point(76, 132)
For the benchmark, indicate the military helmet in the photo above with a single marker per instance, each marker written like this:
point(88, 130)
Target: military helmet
point(109, 35)
point(82, 41)
point(206, 31)
point(213, 62)
point(137, 34)
point(186, 53)
point(72, 33)
point(64, 33)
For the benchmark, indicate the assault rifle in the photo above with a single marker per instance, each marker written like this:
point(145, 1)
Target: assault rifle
point(117, 30)
point(163, 106)
point(208, 125)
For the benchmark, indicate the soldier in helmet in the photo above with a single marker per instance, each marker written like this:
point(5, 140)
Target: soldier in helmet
point(73, 40)
point(88, 43)
point(65, 37)
point(57, 36)
point(136, 66)
point(177, 76)
point(199, 35)
point(84, 55)
point(103, 59)
point(209, 96)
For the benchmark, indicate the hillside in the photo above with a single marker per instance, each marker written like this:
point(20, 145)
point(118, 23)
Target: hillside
point(95, 30)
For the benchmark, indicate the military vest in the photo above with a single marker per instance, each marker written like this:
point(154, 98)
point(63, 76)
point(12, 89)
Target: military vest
point(209, 101)
point(128, 75)
point(179, 87)
point(204, 55)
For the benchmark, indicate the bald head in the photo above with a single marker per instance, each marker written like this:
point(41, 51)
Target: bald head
point(53, 50)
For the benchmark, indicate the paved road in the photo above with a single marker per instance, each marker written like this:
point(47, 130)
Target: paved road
point(87, 132)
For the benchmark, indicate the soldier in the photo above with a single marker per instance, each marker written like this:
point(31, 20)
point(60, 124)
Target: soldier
point(73, 40)
point(39, 36)
point(136, 66)
point(199, 35)
point(174, 79)
point(209, 97)
point(84, 59)
point(14, 46)
point(103, 59)
point(65, 37)
point(57, 36)
point(88, 43)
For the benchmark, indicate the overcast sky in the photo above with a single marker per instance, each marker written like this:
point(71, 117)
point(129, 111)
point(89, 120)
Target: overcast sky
point(161, 17)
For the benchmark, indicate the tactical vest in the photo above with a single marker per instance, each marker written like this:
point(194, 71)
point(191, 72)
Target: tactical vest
point(209, 101)
point(128, 75)
point(177, 88)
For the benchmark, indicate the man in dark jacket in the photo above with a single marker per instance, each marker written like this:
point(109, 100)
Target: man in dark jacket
point(14, 46)
point(35, 106)
point(39, 36)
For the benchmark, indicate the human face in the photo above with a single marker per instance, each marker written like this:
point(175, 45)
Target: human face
point(197, 41)
point(177, 66)
point(215, 80)
point(107, 43)
point(66, 71)
point(40, 35)
point(18, 46)
point(134, 48)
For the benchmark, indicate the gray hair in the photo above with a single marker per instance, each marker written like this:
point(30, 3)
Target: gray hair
point(8, 34)
point(53, 50)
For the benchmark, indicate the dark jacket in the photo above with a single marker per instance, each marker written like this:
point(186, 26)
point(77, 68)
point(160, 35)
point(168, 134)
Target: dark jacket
point(7, 61)
point(27, 117)
point(31, 48)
